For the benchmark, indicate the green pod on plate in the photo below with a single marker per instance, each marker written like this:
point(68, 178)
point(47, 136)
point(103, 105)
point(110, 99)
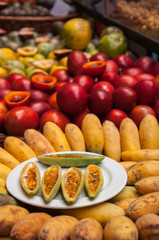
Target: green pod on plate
point(72, 184)
point(94, 180)
point(30, 178)
point(51, 181)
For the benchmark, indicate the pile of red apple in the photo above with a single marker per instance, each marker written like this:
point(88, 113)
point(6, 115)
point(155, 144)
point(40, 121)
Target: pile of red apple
point(111, 89)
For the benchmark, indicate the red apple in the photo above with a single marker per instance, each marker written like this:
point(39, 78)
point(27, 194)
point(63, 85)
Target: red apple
point(139, 112)
point(40, 107)
point(124, 98)
point(4, 84)
point(115, 116)
point(54, 116)
point(75, 61)
point(125, 81)
point(145, 76)
point(22, 84)
point(4, 92)
point(85, 81)
point(72, 98)
point(38, 95)
point(155, 69)
point(11, 77)
point(61, 75)
point(100, 102)
point(109, 76)
point(104, 85)
point(99, 57)
point(145, 63)
point(132, 71)
point(111, 66)
point(147, 92)
point(123, 61)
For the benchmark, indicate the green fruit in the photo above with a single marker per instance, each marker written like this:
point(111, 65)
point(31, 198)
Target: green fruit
point(110, 29)
point(17, 70)
point(93, 180)
point(31, 71)
point(11, 64)
point(113, 44)
point(70, 159)
point(51, 182)
point(72, 184)
point(45, 48)
point(30, 178)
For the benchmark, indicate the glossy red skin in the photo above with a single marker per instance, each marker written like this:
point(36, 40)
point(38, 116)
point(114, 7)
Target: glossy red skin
point(3, 112)
point(124, 98)
point(39, 95)
point(85, 81)
point(109, 77)
point(145, 63)
point(54, 116)
point(72, 98)
point(156, 109)
point(40, 107)
point(4, 84)
point(61, 75)
point(22, 84)
point(100, 102)
point(70, 79)
point(75, 61)
point(123, 61)
point(144, 76)
point(125, 81)
point(18, 119)
point(78, 119)
point(155, 69)
point(132, 71)
point(115, 116)
point(94, 68)
point(111, 66)
point(147, 92)
point(4, 92)
point(53, 101)
point(99, 57)
point(139, 112)
point(104, 85)
point(11, 77)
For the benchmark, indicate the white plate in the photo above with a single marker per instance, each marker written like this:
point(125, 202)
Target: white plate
point(115, 179)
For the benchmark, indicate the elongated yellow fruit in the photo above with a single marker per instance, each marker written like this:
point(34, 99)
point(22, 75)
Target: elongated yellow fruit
point(56, 137)
point(38, 142)
point(18, 148)
point(112, 146)
point(7, 159)
point(2, 182)
point(149, 132)
point(75, 137)
point(4, 171)
point(129, 135)
point(140, 155)
point(93, 133)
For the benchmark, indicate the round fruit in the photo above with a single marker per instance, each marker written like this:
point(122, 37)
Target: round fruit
point(104, 85)
point(39, 95)
point(123, 61)
point(18, 119)
point(40, 107)
point(144, 76)
point(115, 116)
point(94, 68)
point(132, 71)
point(4, 84)
point(53, 101)
point(76, 33)
point(22, 84)
point(85, 81)
point(145, 63)
point(124, 80)
point(11, 77)
point(61, 75)
point(111, 66)
point(109, 76)
point(27, 51)
point(72, 98)
point(99, 57)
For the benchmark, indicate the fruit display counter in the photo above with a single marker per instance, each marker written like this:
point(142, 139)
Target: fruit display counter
point(79, 136)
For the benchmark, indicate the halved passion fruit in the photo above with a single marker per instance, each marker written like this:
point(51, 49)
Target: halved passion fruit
point(44, 64)
point(30, 178)
point(17, 98)
point(72, 184)
point(60, 53)
point(94, 68)
point(93, 180)
point(51, 181)
point(27, 51)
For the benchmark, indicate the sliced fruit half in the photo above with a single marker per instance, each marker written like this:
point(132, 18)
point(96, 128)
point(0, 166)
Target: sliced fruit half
point(27, 51)
point(44, 64)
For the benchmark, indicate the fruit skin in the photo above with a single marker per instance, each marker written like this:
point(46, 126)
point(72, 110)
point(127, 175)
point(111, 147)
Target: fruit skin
point(3, 112)
point(33, 168)
point(85, 81)
point(9, 215)
point(140, 155)
point(120, 227)
point(75, 61)
point(93, 133)
point(7, 200)
point(124, 204)
point(76, 33)
point(95, 175)
point(18, 119)
point(56, 137)
point(145, 63)
point(4, 171)
point(126, 193)
point(70, 181)
point(123, 61)
point(38, 143)
point(7, 159)
point(143, 205)
point(124, 80)
point(116, 116)
point(18, 148)
point(38, 95)
point(40, 107)
point(147, 185)
point(55, 187)
point(75, 137)
point(129, 135)
point(149, 132)
point(112, 145)
point(4, 84)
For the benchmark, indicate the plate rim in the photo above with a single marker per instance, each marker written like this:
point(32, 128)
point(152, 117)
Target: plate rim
point(121, 172)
